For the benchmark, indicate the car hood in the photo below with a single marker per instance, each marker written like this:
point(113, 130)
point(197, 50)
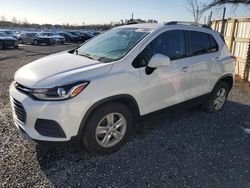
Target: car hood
point(58, 36)
point(8, 38)
point(58, 69)
point(44, 37)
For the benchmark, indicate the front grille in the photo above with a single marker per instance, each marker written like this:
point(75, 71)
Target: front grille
point(9, 43)
point(19, 111)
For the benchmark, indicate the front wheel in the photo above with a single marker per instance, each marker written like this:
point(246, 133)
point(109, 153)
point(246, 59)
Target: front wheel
point(52, 42)
point(217, 98)
point(108, 128)
point(35, 42)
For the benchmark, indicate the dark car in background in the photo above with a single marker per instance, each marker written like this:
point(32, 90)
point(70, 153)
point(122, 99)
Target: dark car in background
point(7, 41)
point(94, 33)
point(83, 35)
point(35, 38)
point(69, 37)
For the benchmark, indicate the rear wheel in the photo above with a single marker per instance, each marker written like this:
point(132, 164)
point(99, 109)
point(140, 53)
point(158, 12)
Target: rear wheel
point(20, 41)
point(108, 128)
point(217, 98)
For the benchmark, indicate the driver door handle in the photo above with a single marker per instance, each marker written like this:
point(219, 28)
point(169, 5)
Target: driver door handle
point(185, 69)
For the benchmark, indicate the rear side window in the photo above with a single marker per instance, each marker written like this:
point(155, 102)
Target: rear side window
point(202, 43)
point(214, 45)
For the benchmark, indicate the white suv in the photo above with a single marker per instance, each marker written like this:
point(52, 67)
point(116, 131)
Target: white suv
point(94, 94)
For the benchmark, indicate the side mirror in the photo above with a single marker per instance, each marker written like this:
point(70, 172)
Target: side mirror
point(159, 60)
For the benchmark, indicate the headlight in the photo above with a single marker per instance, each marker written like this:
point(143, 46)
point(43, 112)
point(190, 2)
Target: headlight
point(61, 92)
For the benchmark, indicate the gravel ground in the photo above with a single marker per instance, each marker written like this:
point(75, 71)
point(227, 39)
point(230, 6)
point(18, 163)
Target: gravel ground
point(188, 148)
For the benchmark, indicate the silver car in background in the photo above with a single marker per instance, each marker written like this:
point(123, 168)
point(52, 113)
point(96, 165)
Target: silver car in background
point(34, 38)
point(58, 39)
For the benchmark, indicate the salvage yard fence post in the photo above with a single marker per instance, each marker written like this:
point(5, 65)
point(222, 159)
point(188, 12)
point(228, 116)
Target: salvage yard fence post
point(236, 33)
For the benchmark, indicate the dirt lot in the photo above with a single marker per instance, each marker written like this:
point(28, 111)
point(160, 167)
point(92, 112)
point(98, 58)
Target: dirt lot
point(188, 148)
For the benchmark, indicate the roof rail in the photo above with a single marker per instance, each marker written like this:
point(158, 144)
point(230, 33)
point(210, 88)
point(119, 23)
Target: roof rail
point(187, 23)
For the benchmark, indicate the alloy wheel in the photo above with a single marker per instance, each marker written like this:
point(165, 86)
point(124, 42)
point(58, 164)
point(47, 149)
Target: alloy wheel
point(111, 129)
point(220, 98)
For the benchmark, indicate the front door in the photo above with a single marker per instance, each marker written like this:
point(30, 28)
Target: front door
point(163, 87)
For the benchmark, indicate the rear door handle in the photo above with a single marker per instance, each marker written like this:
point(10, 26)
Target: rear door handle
point(185, 69)
point(216, 58)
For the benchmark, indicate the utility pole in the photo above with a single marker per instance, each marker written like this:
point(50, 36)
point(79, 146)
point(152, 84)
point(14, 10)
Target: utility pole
point(224, 12)
point(197, 15)
point(223, 22)
point(210, 18)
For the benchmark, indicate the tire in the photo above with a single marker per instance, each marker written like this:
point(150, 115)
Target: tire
point(35, 42)
point(215, 104)
point(107, 141)
point(1, 45)
point(20, 41)
point(52, 42)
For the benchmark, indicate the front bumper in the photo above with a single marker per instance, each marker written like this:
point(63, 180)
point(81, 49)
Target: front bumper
point(74, 142)
point(68, 114)
point(10, 44)
point(59, 40)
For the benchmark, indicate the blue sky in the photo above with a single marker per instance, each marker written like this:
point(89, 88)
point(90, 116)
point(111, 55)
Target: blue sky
point(103, 11)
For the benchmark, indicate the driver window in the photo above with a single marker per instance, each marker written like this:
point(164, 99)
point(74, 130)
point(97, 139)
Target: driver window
point(170, 43)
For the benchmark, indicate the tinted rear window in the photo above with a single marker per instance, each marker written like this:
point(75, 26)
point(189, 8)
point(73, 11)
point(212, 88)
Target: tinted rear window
point(214, 45)
point(202, 43)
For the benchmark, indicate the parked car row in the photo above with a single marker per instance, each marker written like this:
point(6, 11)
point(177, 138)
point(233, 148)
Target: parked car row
point(11, 38)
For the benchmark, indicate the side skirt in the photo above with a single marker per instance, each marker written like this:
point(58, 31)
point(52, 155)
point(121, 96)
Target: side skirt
point(183, 105)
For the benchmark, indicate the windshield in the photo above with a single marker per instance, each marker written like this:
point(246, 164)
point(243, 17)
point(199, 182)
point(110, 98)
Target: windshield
point(48, 34)
point(69, 34)
point(112, 45)
point(9, 32)
point(33, 34)
point(2, 35)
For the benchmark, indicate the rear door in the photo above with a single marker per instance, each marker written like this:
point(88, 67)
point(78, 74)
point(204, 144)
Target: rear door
point(25, 37)
point(203, 56)
point(29, 38)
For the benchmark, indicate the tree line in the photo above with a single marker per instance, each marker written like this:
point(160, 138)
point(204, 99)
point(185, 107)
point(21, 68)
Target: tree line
point(14, 23)
point(198, 8)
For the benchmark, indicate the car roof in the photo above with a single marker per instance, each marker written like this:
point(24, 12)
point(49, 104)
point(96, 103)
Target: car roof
point(3, 30)
point(155, 26)
point(30, 31)
point(147, 26)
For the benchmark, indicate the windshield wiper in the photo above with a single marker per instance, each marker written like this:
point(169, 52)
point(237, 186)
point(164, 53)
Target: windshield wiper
point(76, 51)
point(84, 55)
